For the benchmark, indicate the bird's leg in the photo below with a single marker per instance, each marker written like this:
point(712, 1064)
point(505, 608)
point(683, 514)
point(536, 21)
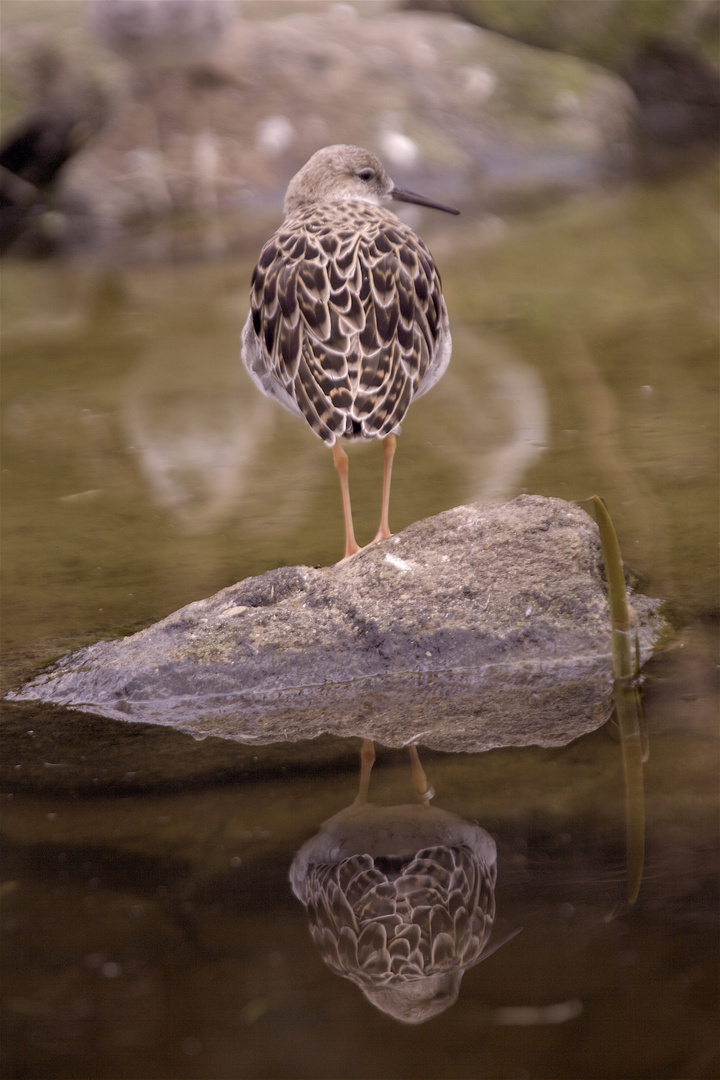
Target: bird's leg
point(389, 445)
point(340, 460)
point(367, 760)
point(419, 779)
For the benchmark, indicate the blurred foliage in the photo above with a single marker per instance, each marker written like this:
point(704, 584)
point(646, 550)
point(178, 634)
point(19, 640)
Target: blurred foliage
point(604, 31)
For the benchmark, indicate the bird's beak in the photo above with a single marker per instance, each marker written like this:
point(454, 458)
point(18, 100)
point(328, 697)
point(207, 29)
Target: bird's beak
point(411, 197)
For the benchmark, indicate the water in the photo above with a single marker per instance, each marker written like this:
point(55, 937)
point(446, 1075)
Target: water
point(150, 929)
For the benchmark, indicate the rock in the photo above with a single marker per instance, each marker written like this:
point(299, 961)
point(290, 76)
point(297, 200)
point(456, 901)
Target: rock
point(161, 34)
point(484, 626)
point(456, 112)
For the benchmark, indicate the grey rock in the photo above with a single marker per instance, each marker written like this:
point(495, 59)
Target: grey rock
point(456, 112)
point(484, 626)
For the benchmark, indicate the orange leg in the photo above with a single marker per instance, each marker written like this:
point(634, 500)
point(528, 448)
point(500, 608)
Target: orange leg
point(389, 446)
point(419, 778)
point(340, 460)
point(367, 760)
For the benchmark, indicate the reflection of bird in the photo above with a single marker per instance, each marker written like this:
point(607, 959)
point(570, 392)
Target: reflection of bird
point(401, 899)
point(347, 323)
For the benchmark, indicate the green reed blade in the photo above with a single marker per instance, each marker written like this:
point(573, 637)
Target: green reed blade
point(625, 659)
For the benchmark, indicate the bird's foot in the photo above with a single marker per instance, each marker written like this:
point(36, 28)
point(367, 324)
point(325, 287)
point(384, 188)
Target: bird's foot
point(381, 535)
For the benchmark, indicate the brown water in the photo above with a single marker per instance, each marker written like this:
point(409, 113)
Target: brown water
point(149, 926)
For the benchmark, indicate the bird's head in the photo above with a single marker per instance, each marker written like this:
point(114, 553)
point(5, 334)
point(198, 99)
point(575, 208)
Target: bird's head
point(341, 173)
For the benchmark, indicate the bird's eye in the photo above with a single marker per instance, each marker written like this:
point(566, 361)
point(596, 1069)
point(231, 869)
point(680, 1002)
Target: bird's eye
point(365, 174)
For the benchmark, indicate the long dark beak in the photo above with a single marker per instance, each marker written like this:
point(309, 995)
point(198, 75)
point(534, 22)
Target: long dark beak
point(410, 196)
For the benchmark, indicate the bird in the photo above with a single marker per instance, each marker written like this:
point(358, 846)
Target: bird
point(400, 899)
point(347, 324)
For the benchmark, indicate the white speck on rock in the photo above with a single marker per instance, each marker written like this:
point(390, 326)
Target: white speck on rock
point(403, 566)
point(229, 612)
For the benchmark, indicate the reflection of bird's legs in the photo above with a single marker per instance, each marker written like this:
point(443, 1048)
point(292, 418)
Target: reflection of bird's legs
point(340, 460)
point(419, 779)
point(367, 760)
point(389, 445)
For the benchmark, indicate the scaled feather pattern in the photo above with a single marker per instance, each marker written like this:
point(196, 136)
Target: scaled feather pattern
point(384, 921)
point(348, 324)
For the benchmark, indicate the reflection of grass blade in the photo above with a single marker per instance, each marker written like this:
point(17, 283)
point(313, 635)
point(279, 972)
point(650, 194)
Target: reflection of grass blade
point(628, 706)
point(628, 711)
point(644, 740)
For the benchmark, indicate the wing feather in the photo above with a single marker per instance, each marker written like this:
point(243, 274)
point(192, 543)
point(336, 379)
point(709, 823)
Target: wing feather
point(347, 321)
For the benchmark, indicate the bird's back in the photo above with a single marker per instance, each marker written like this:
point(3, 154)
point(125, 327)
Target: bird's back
point(347, 322)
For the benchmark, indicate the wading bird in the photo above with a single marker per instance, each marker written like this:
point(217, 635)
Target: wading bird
point(347, 322)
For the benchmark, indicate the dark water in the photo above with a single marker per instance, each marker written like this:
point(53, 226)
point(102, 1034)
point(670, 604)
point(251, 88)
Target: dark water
point(149, 926)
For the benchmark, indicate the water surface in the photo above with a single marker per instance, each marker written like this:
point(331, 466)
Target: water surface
point(150, 929)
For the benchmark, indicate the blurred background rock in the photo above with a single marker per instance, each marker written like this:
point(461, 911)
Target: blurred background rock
point(117, 113)
point(667, 52)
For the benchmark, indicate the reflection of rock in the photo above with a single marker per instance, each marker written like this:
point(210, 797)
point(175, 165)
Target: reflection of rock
point(501, 401)
point(208, 450)
point(197, 445)
point(484, 626)
point(205, 447)
point(196, 470)
point(401, 899)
